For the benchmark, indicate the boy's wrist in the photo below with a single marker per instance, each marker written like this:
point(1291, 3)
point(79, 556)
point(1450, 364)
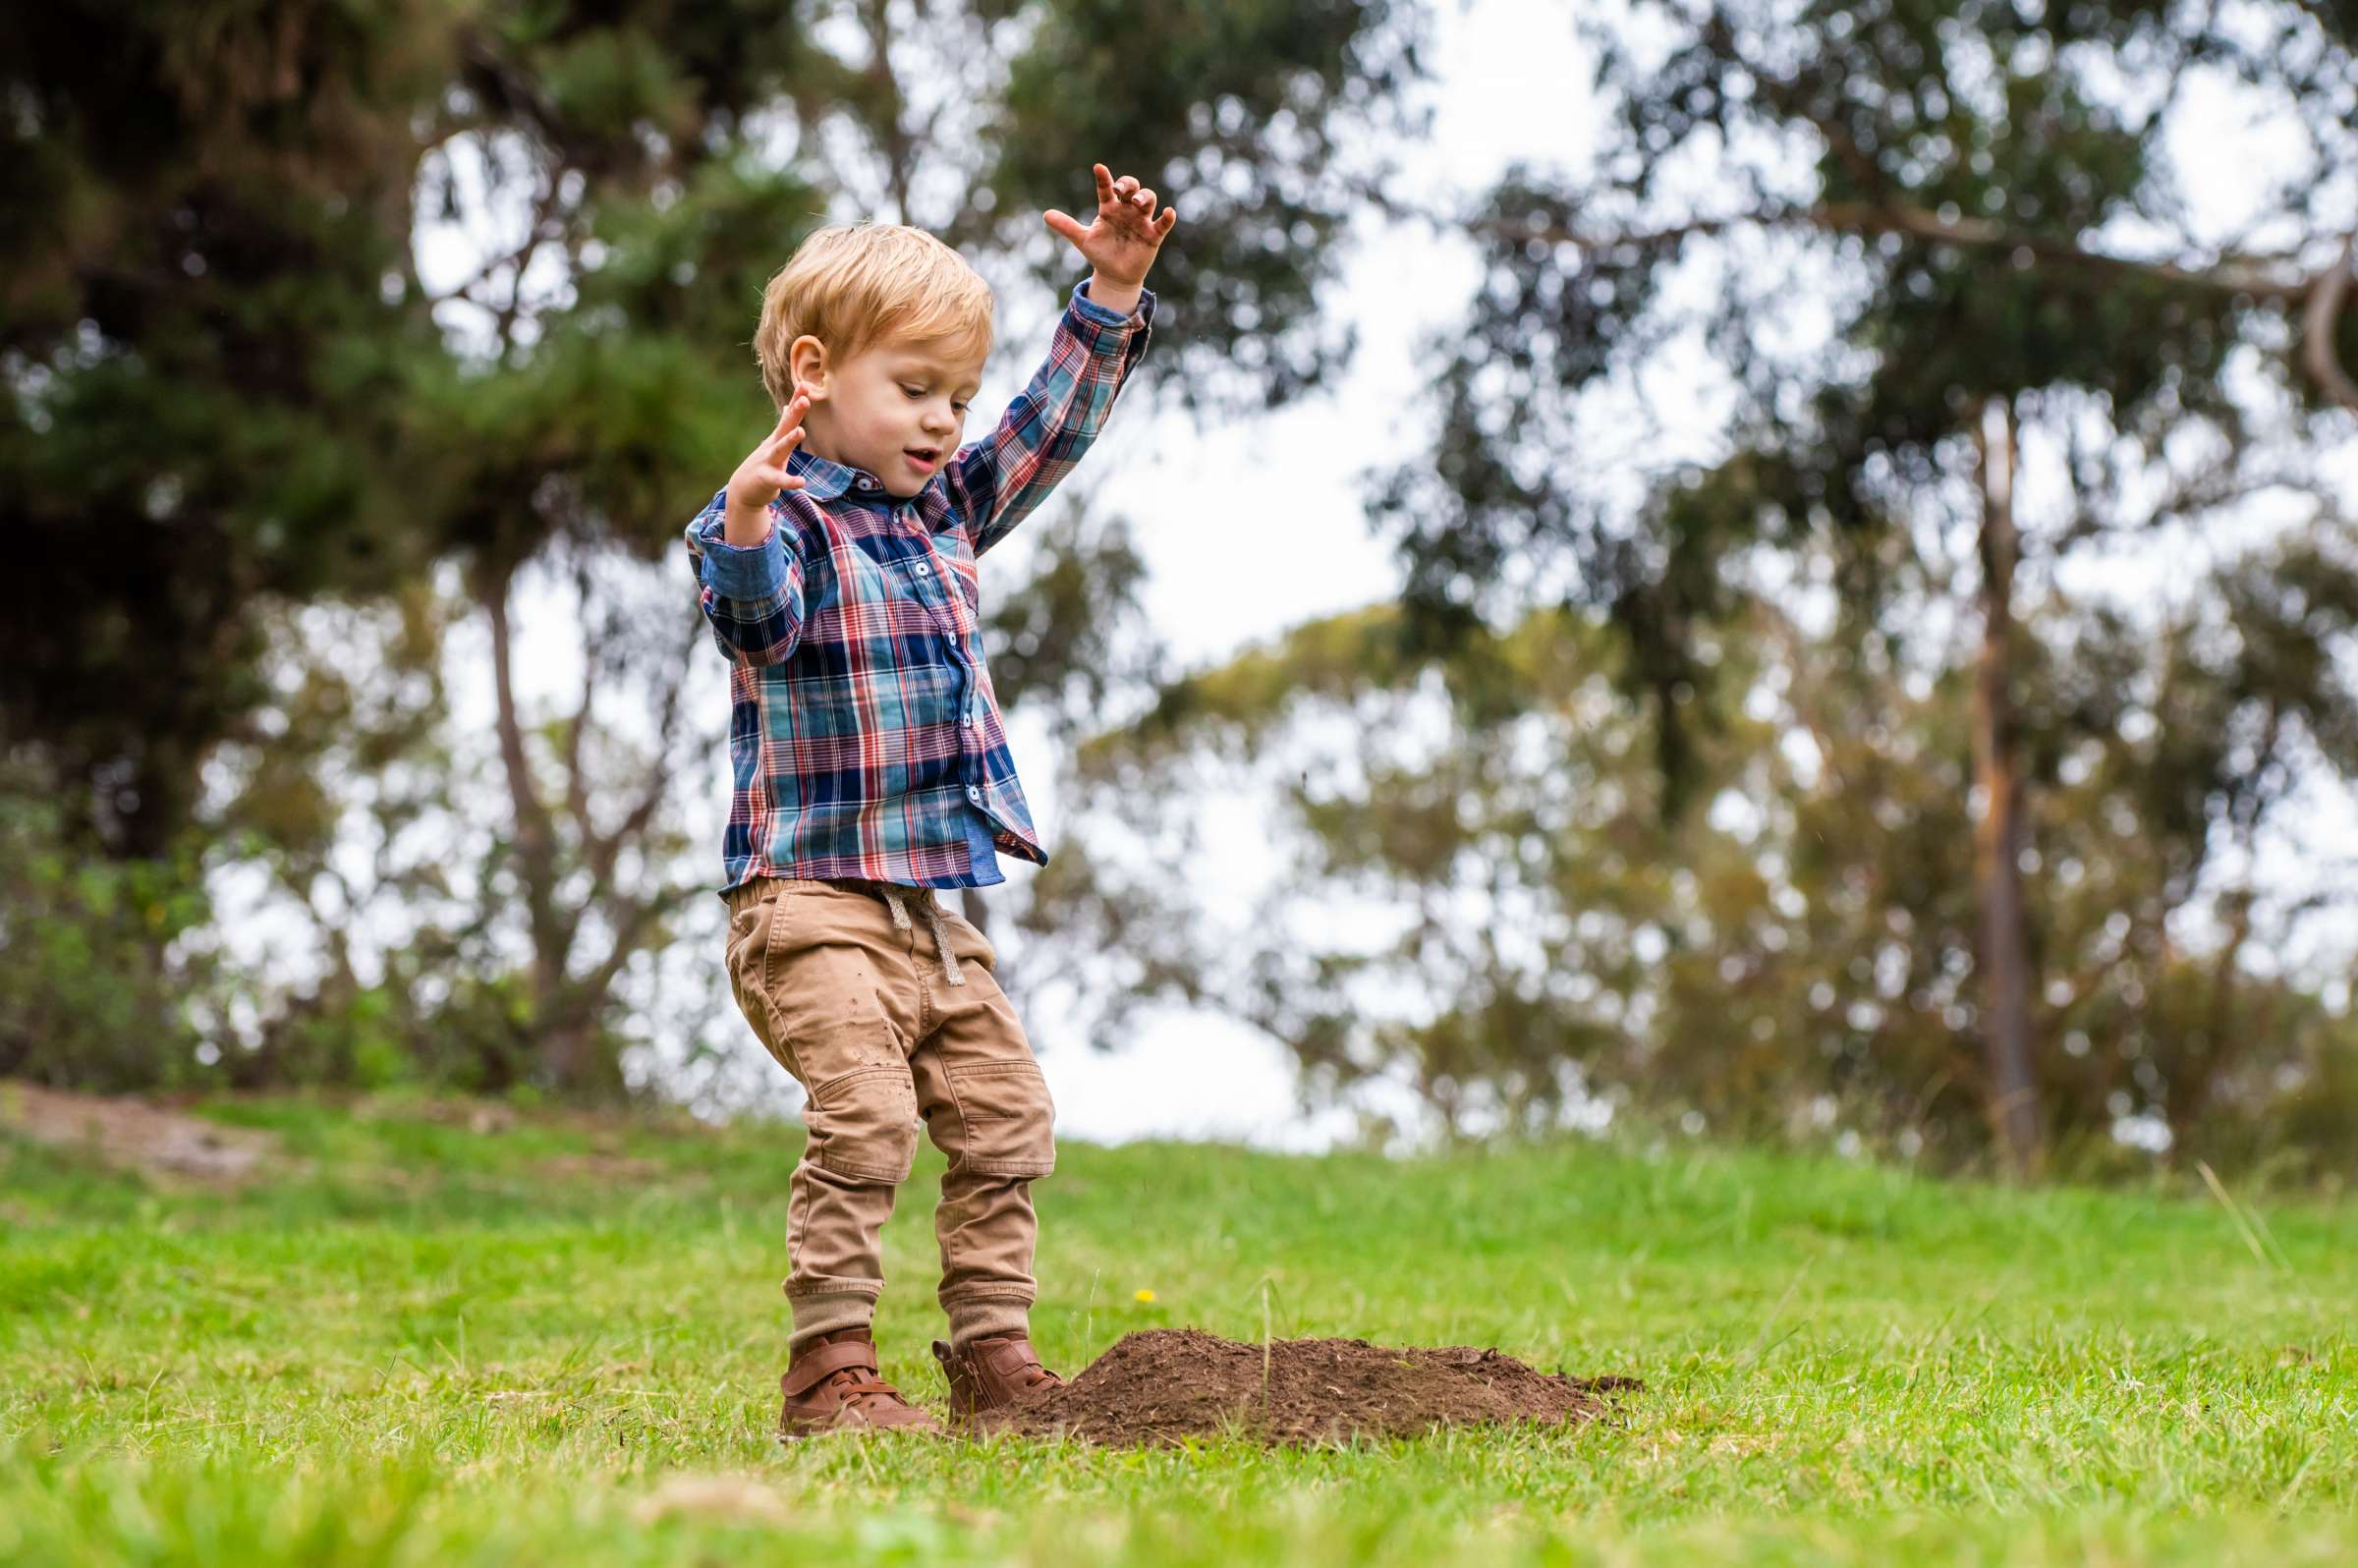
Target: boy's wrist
point(744, 527)
point(1115, 295)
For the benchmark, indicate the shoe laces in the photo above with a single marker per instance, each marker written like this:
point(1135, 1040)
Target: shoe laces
point(858, 1386)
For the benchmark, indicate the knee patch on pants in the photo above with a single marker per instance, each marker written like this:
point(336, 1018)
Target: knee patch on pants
point(864, 1124)
point(1007, 1118)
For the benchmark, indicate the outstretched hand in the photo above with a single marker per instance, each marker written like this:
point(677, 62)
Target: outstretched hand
point(1121, 243)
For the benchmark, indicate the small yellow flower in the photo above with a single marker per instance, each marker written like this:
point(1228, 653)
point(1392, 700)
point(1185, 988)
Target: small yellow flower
point(1145, 1295)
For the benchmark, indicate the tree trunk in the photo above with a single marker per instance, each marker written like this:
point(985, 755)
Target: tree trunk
point(2013, 1089)
point(535, 862)
point(569, 1055)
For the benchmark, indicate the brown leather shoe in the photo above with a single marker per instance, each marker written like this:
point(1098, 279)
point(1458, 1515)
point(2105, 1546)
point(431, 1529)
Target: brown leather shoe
point(992, 1371)
point(833, 1387)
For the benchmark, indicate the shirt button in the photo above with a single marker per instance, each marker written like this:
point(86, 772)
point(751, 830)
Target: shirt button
point(868, 484)
point(922, 570)
point(973, 792)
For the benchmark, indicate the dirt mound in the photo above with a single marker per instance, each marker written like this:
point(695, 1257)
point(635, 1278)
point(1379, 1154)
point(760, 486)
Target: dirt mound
point(1161, 1384)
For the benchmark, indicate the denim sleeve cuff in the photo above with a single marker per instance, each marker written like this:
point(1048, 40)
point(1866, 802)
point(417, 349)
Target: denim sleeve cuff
point(1092, 320)
point(743, 571)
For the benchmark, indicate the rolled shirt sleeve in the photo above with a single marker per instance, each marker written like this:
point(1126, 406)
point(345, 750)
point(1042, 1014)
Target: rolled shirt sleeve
point(998, 478)
point(752, 594)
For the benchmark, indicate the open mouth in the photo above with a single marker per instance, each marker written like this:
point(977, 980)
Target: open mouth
point(925, 458)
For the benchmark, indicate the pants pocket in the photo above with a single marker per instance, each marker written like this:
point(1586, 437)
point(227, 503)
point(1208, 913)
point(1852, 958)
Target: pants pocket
point(817, 985)
point(1007, 1118)
point(863, 1123)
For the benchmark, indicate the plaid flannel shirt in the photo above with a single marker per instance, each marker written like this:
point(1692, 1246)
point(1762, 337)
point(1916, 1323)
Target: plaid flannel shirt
point(864, 734)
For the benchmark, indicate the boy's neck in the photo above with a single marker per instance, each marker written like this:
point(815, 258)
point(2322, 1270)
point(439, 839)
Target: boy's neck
point(820, 444)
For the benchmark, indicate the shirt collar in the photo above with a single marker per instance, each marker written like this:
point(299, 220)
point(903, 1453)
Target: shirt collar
point(825, 479)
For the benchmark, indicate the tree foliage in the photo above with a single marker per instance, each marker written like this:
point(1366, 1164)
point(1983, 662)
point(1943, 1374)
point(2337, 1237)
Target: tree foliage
point(208, 203)
point(1480, 899)
point(1959, 170)
point(1981, 199)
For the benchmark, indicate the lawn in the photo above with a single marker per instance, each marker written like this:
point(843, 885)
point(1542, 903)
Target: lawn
point(555, 1340)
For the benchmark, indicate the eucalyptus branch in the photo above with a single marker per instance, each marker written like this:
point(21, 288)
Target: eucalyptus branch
point(2318, 320)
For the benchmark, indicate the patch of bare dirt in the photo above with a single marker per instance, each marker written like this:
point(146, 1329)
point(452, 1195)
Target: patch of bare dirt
point(1161, 1385)
point(136, 1134)
point(491, 1117)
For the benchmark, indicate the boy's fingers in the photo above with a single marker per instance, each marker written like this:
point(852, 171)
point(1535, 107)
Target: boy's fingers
point(1145, 199)
point(1063, 223)
point(1168, 221)
point(1105, 180)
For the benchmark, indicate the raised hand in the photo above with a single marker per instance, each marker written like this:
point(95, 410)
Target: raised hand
point(763, 474)
point(1121, 243)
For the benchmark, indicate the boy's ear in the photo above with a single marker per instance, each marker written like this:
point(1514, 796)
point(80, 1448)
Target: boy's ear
point(807, 361)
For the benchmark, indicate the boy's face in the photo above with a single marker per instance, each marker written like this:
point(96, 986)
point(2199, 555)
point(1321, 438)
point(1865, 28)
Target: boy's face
point(895, 408)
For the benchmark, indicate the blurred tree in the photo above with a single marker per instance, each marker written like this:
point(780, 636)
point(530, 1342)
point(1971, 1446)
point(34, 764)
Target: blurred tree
point(104, 965)
point(208, 208)
point(1476, 893)
point(2170, 758)
point(1982, 198)
point(226, 342)
point(389, 827)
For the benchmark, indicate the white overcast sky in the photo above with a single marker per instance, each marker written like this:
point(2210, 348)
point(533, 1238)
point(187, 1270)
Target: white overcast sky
point(1257, 523)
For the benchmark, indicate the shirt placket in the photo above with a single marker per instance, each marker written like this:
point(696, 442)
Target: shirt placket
point(930, 593)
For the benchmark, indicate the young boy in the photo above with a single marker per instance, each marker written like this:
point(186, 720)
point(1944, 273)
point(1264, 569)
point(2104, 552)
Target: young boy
point(837, 569)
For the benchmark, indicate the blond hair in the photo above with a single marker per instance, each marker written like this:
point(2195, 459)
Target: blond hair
point(854, 285)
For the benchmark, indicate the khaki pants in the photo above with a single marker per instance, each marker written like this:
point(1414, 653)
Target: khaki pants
point(851, 987)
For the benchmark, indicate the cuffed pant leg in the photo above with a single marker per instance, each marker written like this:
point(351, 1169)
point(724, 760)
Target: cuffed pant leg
point(834, 1246)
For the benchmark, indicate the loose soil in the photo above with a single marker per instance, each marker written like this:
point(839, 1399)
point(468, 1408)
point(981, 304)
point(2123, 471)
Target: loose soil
point(135, 1134)
point(1161, 1385)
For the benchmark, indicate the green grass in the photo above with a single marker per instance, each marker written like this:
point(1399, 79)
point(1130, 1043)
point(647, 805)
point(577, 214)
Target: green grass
point(558, 1343)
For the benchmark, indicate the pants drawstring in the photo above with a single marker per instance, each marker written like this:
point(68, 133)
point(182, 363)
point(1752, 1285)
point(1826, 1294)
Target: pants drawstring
point(952, 970)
